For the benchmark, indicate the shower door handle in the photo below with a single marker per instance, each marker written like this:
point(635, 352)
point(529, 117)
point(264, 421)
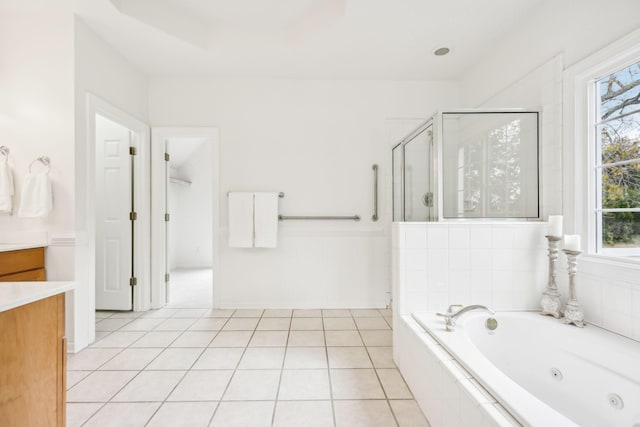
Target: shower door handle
point(427, 199)
point(375, 193)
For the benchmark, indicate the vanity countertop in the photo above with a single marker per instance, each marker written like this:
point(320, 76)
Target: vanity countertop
point(6, 247)
point(16, 294)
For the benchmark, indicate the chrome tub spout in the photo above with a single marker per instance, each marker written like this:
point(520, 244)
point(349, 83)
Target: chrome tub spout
point(452, 314)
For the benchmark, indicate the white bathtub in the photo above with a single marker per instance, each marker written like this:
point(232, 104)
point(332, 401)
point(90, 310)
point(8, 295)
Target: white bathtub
point(545, 373)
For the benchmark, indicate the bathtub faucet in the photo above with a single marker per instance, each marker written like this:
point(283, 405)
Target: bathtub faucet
point(452, 313)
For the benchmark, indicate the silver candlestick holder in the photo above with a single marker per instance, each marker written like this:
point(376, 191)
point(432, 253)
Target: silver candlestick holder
point(550, 301)
point(573, 312)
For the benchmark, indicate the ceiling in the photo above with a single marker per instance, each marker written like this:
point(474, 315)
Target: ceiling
point(334, 39)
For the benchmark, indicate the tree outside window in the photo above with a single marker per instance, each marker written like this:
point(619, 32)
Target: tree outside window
point(618, 159)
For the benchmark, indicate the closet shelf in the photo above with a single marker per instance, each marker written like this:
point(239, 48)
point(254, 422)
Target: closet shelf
point(179, 181)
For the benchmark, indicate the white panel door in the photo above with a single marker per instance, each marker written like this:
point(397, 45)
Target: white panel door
point(167, 233)
point(113, 226)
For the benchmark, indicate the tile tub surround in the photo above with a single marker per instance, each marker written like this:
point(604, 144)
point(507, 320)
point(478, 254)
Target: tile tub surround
point(504, 266)
point(241, 367)
point(501, 265)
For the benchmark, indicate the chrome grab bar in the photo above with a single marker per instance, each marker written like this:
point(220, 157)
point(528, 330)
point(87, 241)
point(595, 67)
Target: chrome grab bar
point(375, 193)
point(287, 217)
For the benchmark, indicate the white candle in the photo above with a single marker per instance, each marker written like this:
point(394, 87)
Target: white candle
point(572, 242)
point(555, 225)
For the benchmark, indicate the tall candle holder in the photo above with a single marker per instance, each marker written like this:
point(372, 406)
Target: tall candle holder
point(573, 311)
point(550, 301)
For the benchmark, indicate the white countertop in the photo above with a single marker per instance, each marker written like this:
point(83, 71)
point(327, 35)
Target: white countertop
point(6, 247)
point(15, 294)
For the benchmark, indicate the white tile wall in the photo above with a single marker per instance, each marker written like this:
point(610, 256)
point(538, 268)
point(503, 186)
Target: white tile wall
point(610, 295)
point(502, 265)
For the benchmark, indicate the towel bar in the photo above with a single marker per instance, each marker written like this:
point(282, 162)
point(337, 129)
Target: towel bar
point(287, 217)
point(44, 160)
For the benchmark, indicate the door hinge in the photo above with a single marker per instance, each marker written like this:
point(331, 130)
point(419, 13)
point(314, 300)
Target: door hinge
point(167, 217)
point(133, 281)
point(167, 157)
point(167, 276)
point(133, 151)
point(133, 216)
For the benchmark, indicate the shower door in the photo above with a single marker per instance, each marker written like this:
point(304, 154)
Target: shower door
point(413, 179)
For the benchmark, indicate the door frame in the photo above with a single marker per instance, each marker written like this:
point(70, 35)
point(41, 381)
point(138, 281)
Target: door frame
point(141, 138)
point(158, 203)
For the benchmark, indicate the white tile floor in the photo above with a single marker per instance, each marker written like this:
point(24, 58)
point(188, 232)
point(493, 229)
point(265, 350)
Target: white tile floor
point(199, 367)
point(190, 288)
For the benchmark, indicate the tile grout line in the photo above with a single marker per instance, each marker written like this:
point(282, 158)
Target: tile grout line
point(384, 392)
point(326, 351)
point(186, 372)
point(284, 358)
point(226, 388)
point(122, 349)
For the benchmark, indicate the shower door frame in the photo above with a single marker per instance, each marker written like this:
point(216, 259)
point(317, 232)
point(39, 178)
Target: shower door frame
point(438, 120)
point(432, 161)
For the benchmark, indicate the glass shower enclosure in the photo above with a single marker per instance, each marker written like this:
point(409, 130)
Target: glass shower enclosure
point(469, 164)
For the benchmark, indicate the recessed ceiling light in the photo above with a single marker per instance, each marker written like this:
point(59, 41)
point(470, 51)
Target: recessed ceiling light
point(441, 51)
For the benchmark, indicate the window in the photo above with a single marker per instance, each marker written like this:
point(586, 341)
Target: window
point(616, 166)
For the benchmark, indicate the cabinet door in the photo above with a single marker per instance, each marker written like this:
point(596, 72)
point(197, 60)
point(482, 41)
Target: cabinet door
point(12, 262)
point(32, 364)
point(38, 275)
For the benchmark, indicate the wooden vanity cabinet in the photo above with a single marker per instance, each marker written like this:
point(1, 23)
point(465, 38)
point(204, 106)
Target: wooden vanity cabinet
point(24, 265)
point(33, 358)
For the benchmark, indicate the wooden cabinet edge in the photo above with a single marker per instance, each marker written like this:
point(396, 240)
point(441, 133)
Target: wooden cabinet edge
point(23, 265)
point(62, 365)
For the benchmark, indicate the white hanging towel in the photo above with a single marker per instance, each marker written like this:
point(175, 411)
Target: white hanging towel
point(6, 187)
point(240, 220)
point(37, 197)
point(266, 220)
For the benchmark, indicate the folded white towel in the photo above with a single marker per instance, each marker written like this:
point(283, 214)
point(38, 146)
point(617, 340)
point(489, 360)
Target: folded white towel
point(241, 220)
point(37, 197)
point(266, 220)
point(6, 187)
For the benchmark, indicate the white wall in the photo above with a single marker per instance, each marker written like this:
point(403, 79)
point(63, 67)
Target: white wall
point(558, 35)
point(101, 71)
point(48, 56)
point(36, 110)
point(316, 142)
point(190, 207)
point(36, 119)
point(575, 28)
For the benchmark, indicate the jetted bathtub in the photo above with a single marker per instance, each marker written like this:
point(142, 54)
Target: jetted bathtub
point(543, 372)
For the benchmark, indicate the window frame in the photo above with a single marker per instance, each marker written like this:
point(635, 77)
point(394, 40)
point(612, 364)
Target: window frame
point(596, 166)
point(579, 181)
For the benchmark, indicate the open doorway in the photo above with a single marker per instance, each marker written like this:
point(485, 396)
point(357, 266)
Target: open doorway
point(189, 233)
point(185, 220)
point(114, 215)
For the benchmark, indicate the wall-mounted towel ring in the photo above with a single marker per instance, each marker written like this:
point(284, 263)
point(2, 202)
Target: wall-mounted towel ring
point(4, 151)
point(44, 160)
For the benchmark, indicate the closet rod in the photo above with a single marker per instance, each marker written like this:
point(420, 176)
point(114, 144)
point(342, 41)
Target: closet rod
point(287, 217)
point(280, 194)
